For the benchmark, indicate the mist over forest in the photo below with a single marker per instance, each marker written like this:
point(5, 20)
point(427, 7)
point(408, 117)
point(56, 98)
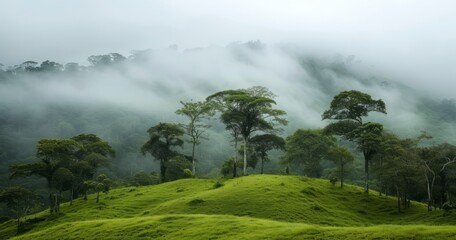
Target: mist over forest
point(96, 102)
point(119, 98)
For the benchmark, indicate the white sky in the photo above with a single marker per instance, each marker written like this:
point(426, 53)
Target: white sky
point(414, 41)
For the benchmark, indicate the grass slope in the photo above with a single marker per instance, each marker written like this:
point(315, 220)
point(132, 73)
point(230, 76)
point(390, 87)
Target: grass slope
point(253, 207)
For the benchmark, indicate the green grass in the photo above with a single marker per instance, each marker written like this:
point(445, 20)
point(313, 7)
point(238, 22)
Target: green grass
point(253, 207)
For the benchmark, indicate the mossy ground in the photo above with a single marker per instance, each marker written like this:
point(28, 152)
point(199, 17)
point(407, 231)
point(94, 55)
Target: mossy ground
point(253, 207)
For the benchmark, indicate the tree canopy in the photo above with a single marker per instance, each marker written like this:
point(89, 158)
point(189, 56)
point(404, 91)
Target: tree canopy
point(163, 138)
point(348, 109)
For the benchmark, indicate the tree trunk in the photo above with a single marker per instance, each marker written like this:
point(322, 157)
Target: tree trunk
point(398, 199)
point(234, 170)
point(98, 196)
point(162, 171)
point(71, 197)
point(366, 172)
point(193, 159)
point(429, 191)
point(342, 175)
point(235, 159)
point(262, 165)
point(245, 156)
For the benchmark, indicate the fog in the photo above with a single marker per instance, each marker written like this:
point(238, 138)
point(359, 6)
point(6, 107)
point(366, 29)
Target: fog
point(413, 41)
point(303, 51)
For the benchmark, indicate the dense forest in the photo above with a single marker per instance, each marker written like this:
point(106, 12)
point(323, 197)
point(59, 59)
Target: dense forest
point(67, 130)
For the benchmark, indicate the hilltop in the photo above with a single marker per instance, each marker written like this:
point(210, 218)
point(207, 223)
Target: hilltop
point(252, 207)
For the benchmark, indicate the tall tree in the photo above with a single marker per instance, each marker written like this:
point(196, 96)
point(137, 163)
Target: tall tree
point(163, 137)
point(196, 112)
point(308, 147)
point(247, 111)
point(341, 156)
point(262, 144)
point(93, 154)
point(52, 155)
point(348, 109)
point(65, 164)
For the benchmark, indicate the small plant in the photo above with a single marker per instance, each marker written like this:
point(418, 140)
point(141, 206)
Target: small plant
point(195, 202)
point(187, 173)
point(218, 184)
point(447, 208)
point(333, 180)
point(309, 191)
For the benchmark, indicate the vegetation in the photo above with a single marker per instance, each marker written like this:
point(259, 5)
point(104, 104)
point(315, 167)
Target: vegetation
point(403, 173)
point(193, 207)
point(196, 112)
point(163, 138)
point(348, 108)
point(247, 111)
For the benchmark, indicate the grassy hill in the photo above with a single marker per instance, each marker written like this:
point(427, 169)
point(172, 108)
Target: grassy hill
point(253, 207)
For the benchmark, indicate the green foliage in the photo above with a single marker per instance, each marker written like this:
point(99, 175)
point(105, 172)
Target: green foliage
point(341, 157)
point(20, 201)
point(308, 147)
point(178, 167)
point(163, 137)
point(262, 144)
point(198, 210)
point(348, 109)
point(218, 184)
point(353, 105)
point(101, 184)
point(144, 179)
point(187, 173)
point(246, 111)
point(66, 164)
point(196, 112)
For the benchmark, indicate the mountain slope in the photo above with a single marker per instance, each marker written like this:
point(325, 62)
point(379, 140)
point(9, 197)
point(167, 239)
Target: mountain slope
point(249, 207)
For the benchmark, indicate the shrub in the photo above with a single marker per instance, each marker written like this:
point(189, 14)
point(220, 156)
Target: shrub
point(187, 173)
point(218, 184)
point(333, 180)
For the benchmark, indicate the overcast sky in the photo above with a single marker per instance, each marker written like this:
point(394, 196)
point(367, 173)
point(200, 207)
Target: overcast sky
point(414, 41)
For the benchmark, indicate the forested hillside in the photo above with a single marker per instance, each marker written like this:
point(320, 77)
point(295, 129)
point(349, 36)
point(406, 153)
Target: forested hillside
point(68, 130)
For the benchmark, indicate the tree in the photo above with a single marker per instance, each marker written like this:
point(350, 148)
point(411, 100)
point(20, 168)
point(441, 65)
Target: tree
point(228, 167)
point(247, 111)
point(437, 160)
point(101, 184)
point(21, 201)
point(66, 164)
point(196, 113)
point(308, 147)
point(178, 167)
point(50, 66)
point(163, 137)
point(341, 156)
point(105, 60)
point(398, 167)
point(93, 154)
point(62, 180)
point(262, 144)
point(143, 179)
point(52, 154)
point(348, 109)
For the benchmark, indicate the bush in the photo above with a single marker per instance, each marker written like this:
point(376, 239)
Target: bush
point(143, 179)
point(196, 202)
point(447, 207)
point(187, 173)
point(333, 180)
point(218, 184)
